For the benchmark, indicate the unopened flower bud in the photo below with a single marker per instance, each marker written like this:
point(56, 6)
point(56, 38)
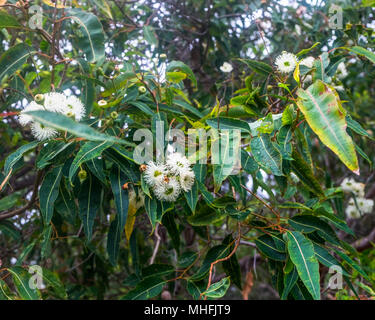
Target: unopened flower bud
point(39, 97)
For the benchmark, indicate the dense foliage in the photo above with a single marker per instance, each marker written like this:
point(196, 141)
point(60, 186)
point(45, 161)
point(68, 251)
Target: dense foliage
point(79, 79)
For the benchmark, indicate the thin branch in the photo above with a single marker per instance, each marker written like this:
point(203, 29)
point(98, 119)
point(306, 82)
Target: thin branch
point(29, 204)
point(156, 249)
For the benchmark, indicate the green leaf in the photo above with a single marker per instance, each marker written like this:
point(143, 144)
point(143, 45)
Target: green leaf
point(266, 245)
point(45, 246)
point(49, 192)
point(169, 222)
point(89, 201)
point(65, 204)
point(52, 279)
point(178, 65)
point(64, 123)
point(21, 281)
point(92, 40)
point(146, 289)
point(50, 151)
point(323, 112)
point(13, 59)
point(218, 290)
point(176, 76)
point(290, 279)
point(192, 197)
point(305, 174)
point(353, 264)
point(196, 288)
point(143, 107)
point(228, 123)
point(304, 51)
point(5, 293)
point(309, 223)
point(150, 36)
point(206, 216)
point(122, 202)
point(301, 251)
point(231, 266)
point(356, 127)
point(13, 158)
point(259, 67)
point(7, 228)
point(9, 201)
point(29, 248)
point(89, 151)
point(266, 155)
point(326, 258)
point(248, 163)
point(8, 21)
point(104, 7)
point(96, 167)
point(152, 210)
point(226, 156)
point(87, 86)
point(215, 253)
point(363, 52)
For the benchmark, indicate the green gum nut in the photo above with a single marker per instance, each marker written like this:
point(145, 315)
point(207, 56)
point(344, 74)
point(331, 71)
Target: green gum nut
point(82, 175)
point(142, 89)
point(114, 115)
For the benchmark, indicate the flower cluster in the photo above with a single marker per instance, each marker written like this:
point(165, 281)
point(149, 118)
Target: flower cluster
point(55, 102)
point(169, 179)
point(360, 204)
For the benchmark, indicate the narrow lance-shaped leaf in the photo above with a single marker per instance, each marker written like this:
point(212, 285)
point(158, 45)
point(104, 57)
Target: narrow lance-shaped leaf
point(92, 41)
point(363, 52)
point(13, 59)
point(21, 281)
point(12, 159)
point(117, 179)
point(89, 202)
point(63, 123)
point(8, 21)
point(265, 154)
point(49, 192)
point(90, 150)
point(88, 86)
point(301, 251)
point(218, 290)
point(326, 117)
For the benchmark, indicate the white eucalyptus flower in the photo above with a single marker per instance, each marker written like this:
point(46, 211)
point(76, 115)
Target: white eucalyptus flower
point(177, 163)
point(41, 132)
point(365, 205)
point(352, 212)
point(286, 62)
point(350, 185)
point(187, 180)
point(55, 102)
point(169, 190)
point(25, 119)
point(308, 62)
point(226, 67)
point(154, 173)
point(74, 108)
point(341, 71)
